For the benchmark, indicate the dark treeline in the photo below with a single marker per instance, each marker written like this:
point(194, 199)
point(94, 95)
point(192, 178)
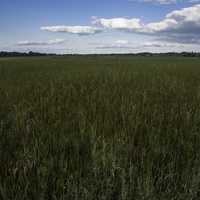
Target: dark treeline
point(19, 54)
point(145, 54)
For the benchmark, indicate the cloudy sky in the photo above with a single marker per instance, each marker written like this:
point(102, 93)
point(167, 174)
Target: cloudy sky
point(99, 26)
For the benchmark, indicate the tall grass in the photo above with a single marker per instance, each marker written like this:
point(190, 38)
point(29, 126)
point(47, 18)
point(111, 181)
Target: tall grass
point(99, 128)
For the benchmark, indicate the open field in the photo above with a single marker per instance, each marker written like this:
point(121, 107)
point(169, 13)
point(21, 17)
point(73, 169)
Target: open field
point(100, 128)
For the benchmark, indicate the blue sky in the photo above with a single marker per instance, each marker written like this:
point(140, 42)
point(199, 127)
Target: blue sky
point(99, 26)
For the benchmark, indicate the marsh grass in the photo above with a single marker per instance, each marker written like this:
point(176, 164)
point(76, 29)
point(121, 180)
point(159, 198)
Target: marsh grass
point(99, 128)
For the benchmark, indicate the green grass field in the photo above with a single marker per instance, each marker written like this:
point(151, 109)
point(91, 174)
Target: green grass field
point(100, 128)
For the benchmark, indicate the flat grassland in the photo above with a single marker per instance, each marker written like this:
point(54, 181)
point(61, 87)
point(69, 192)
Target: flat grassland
point(99, 128)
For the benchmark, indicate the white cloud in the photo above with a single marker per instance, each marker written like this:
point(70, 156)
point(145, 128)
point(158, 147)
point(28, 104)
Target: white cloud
point(160, 1)
point(40, 43)
point(118, 44)
point(186, 20)
point(56, 41)
point(166, 2)
point(180, 25)
point(194, 1)
point(122, 42)
point(80, 30)
point(161, 45)
point(165, 25)
point(119, 23)
point(113, 46)
point(143, 46)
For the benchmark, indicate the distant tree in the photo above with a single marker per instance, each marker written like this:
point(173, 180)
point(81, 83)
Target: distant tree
point(144, 54)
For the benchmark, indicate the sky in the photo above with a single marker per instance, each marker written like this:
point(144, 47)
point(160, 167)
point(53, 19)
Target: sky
point(99, 26)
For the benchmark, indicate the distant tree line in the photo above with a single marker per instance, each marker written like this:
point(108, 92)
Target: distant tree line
point(19, 54)
point(143, 54)
point(148, 54)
